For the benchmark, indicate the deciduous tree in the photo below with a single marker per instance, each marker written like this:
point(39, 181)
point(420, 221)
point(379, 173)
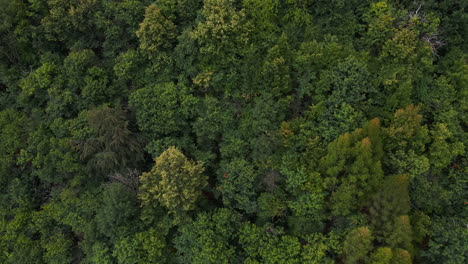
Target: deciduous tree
point(174, 181)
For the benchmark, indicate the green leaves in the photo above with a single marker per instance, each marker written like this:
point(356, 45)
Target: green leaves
point(13, 133)
point(407, 139)
point(266, 245)
point(156, 32)
point(209, 239)
point(357, 244)
point(148, 246)
point(96, 90)
point(388, 213)
point(271, 131)
point(174, 181)
point(58, 249)
point(162, 110)
point(308, 213)
point(117, 212)
point(238, 185)
point(221, 23)
point(381, 19)
point(36, 84)
point(353, 167)
point(442, 152)
point(448, 241)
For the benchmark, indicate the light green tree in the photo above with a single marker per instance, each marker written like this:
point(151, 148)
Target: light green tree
point(174, 181)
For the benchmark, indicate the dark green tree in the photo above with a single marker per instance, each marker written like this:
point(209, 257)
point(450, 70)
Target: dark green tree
point(109, 145)
point(210, 238)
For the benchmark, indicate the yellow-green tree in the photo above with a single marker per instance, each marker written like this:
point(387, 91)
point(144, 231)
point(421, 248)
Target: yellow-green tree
point(174, 181)
point(157, 31)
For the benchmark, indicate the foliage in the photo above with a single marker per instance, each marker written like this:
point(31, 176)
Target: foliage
point(174, 181)
point(267, 131)
point(209, 238)
point(156, 32)
point(357, 244)
point(238, 186)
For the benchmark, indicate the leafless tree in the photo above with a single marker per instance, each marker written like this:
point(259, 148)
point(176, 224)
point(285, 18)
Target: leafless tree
point(433, 39)
point(128, 178)
point(270, 179)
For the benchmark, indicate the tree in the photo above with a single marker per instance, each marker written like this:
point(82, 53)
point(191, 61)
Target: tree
point(67, 217)
point(401, 256)
point(97, 90)
point(129, 69)
point(407, 139)
point(157, 32)
point(79, 76)
point(352, 168)
point(162, 111)
point(297, 19)
point(380, 19)
point(58, 249)
point(447, 243)
point(389, 213)
point(275, 75)
point(308, 213)
point(18, 46)
point(337, 119)
point(264, 15)
point(19, 245)
point(268, 245)
point(383, 255)
point(100, 253)
point(271, 206)
point(174, 181)
point(321, 248)
point(118, 21)
point(213, 119)
point(148, 246)
point(442, 152)
point(238, 185)
point(221, 28)
point(210, 238)
point(34, 87)
point(72, 23)
point(313, 58)
point(13, 134)
point(269, 131)
point(50, 153)
point(348, 93)
point(107, 144)
point(357, 245)
point(75, 66)
point(117, 211)
point(184, 12)
point(405, 61)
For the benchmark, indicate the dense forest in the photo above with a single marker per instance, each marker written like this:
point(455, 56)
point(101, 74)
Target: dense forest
point(233, 131)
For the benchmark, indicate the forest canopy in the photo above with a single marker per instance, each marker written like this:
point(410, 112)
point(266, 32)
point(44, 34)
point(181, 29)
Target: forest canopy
point(233, 131)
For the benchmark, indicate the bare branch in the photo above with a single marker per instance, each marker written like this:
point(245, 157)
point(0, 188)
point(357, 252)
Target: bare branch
point(129, 178)
point(434, 42)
